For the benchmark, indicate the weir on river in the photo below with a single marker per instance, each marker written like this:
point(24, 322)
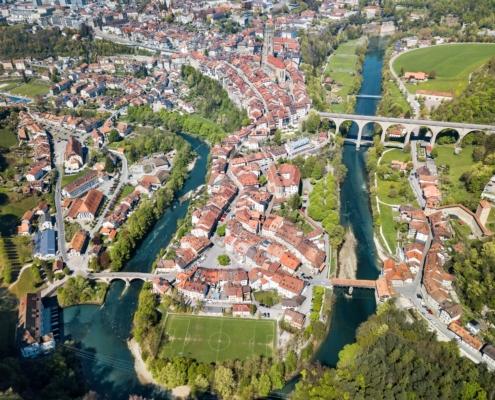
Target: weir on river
point(102, 332)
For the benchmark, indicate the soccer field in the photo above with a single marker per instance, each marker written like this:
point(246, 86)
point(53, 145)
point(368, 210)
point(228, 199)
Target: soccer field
point(211, 339)
point(452, 64)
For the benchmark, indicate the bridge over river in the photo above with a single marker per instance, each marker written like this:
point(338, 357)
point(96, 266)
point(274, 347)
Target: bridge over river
point(127, 277)
point(411, 126)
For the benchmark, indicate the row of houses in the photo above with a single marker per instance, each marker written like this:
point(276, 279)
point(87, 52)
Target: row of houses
point(39, 141)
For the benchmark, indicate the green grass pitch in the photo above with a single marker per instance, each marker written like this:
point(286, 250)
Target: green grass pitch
point(211, 339)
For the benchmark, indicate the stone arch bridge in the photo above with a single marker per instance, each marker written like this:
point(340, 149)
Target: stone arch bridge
point(127, 277)
point(411, 126)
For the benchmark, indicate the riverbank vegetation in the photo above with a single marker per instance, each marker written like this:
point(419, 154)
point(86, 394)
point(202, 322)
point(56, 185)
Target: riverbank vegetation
point(150, 210)
point(316, 47)
point(177, 122)
point(396, 358)
point(324, 207)
point(452, 65)
point(211, 101)
point(79, 290)
point(477, 102)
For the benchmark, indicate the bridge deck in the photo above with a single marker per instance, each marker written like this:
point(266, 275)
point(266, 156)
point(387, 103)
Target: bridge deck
point(419, 122)
point(359, 283)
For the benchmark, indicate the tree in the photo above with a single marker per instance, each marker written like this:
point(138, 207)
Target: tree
point(109, 165)
point(223, 259)
point(278, 137)
point(114, 136)
point(221, 230)
point(295, 202)
point(264, 385)
point(223, 381)
point(312, 122)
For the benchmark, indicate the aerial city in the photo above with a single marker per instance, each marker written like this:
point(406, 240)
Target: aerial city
point(247, 199)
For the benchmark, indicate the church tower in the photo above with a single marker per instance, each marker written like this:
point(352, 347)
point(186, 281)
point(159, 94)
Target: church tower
point(267, 42)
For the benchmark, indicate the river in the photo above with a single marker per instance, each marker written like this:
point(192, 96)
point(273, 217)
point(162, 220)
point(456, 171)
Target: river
point(102, 332)
point(355, 212)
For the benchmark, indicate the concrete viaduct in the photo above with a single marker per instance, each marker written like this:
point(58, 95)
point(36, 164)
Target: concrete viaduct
point(411, 126)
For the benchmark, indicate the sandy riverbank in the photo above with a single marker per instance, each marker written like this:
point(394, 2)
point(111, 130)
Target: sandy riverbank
point(142, 372)
point(347, 257)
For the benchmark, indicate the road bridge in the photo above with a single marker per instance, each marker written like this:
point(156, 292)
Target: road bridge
point(410, 125)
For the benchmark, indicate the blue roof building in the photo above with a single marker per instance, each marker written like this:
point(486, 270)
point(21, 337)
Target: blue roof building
point(45, 244)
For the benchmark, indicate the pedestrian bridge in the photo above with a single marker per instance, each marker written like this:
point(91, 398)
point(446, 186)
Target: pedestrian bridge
point(410, 125)
point(354, 283)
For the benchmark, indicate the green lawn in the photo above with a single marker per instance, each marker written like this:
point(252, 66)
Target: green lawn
point(452, 188)
point(27, 282)
point(8, 138)
point(490, 223)
point(32, 89)
point(452, 64)
point(211, 339)
point(395, 154)
point(389, 226)
point(341, 68)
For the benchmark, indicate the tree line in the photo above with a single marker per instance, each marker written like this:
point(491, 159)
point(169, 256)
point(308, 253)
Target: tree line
point(476, 104)
point(19, 41)
point(474, 269)
point(395, 358)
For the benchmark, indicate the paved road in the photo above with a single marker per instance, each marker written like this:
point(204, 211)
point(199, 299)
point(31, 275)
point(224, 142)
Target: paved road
point(59, 215)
